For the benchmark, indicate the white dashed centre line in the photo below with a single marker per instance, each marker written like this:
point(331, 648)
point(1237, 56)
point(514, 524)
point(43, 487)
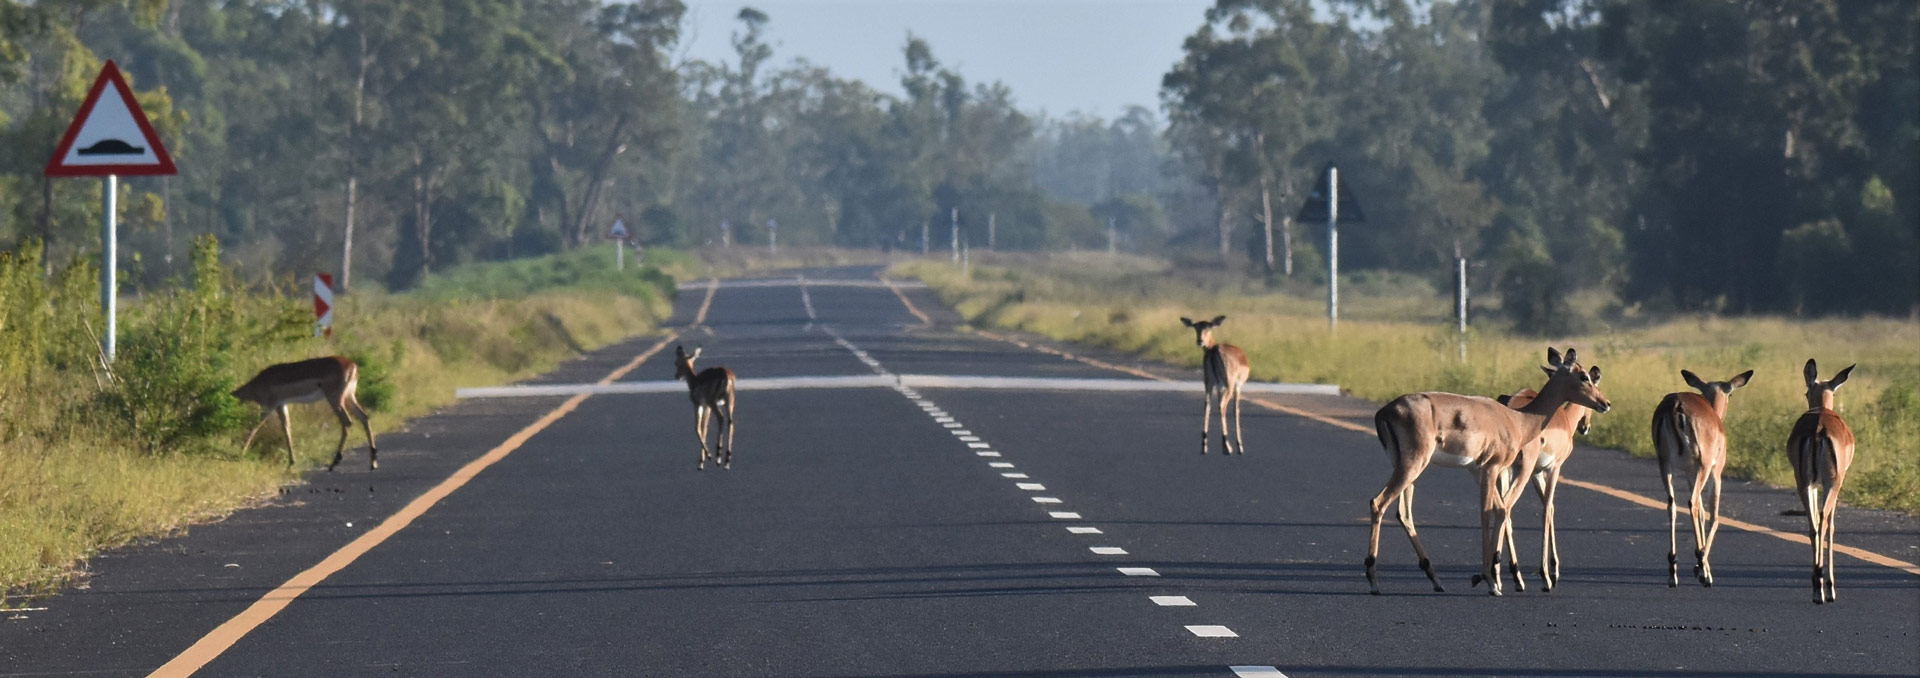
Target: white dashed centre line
point(1046, 500)
point(1063, 515)
point(987, 453)
point(1001, 464)
point(1207, 631)
point(1015, 476)
point(943, 419)
point(951, 425)
point(1107, 550)
point(1138, 571)
point(1256, 672)
point(1030, 487)
point(979, 446)
point(961, 432)
point(966, 438)
point(1084, 530)
point(1172, 601)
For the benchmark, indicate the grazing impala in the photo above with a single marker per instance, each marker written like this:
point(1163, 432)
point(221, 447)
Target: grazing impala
point(711, 391)
point(1556, 444)
point(1690, 431)
point(333, 379)
point(1478, 434)
point(1821, 449)
point(1225, 369)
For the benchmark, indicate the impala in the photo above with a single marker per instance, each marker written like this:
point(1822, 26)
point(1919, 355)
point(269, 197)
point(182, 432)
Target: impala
point(711, 391)
point(1479, 434)
point(1821, 449)
point(1690, 431)
point(332, 379)
point(1556, 444)
point(1224, 368)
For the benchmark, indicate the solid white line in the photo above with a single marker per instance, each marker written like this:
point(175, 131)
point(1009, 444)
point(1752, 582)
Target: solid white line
point(1172, 601)
point(1046, 500)
point(806, 299)
point(1015, 476)
point(888, 381)
point(1107, 550)
point(1084, 530)
point(1208, 631)
point(1031, 487)
point(1063, 515)
point(1138, 571)
point(1256, 672)
point(1001, 464)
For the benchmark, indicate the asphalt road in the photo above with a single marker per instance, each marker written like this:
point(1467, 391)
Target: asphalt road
point(868, 532)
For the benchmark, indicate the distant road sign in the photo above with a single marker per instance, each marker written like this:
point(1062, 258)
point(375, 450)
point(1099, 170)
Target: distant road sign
point(110, 135)
point(619, 230)
point(1316, 208)
point(323, 304)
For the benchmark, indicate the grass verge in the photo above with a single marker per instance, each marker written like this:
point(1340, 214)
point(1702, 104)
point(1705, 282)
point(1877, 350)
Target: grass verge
point(71, 486)
point(1394, 338)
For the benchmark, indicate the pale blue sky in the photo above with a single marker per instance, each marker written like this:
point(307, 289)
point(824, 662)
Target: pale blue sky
point(1092, 56)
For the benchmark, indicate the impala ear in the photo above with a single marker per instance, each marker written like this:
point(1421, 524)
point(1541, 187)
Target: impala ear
point(1219, 320)
point(679, 352)
point(1570, 355)
point(1812, 373)
point(1553, 357)
point(1740, 380)
point(1186, 321)
point(1841, 378)
point(1504, 399)
point(1594, 374)
point(1549, 370)
point(1693, 380)
point(696, 353)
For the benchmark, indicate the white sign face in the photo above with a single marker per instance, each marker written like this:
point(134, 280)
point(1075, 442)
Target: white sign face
point(110, 135)
point(619, 230)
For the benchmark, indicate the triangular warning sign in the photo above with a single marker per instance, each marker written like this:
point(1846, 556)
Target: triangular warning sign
point(110, 135)
point(619, 230)
point(1315, 209)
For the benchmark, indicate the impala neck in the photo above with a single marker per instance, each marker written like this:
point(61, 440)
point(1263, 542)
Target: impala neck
point(1820, 400)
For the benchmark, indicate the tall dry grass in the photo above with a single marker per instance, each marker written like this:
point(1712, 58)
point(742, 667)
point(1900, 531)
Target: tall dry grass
point(1396, 336)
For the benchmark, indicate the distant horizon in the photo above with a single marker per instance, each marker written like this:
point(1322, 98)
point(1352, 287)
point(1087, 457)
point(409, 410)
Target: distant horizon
point(1028, 46)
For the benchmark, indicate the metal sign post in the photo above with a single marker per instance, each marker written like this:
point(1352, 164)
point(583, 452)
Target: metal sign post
point(109, 136)
point(954, 234)
point(1339, 205)
point(109, 259)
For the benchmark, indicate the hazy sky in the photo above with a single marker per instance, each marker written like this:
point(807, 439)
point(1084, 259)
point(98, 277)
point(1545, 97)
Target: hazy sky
point(1092, 56)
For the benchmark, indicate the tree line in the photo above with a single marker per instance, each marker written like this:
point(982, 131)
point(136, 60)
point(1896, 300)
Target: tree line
point(1748, 156)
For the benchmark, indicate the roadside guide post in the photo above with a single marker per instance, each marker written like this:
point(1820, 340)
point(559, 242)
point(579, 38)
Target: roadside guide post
point(773, 237)
point(618, 234)
point(109, 136)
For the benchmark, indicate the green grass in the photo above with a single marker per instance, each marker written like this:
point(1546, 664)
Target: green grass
point(1395, 336)
point(69, 488)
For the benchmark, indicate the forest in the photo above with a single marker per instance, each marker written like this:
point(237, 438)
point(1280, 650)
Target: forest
point(1751, 156)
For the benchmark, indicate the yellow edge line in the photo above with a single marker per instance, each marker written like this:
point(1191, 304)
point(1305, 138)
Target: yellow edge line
point(1616, 493)
point(223, 637)
point(915, 310)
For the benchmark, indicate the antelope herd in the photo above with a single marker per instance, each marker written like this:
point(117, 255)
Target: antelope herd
point(1507, 443)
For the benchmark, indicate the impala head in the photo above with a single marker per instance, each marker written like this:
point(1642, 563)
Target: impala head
point(1717, 391)
point(1820, 393)
point(1526, 395)
point(1203, 330)
point(1575, 384)
point(683, 362)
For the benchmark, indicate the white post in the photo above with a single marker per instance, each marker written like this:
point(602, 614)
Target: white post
point(1112, 246)
point(1460, 302)
point(954, 221)
point(925, 223)
point(1333, 248)
point(109, 259)
point(619, 255)
point(990, 216)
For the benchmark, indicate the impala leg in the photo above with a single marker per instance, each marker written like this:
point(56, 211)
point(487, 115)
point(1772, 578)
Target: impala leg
point(346, 427)
point(1697, 511)
point(1413, 535)
point(1673, 534)
point(1712, 521)
point(1492, 520)
point(264, 416)
point(1206, 421)
point(286, 427)
point(1827, 515)
point(1398, 483)
point(727, 424)
point(1548, 485)
point(1239, 445)
point(700, 434)
point(1810, 500)
point(1226, 397)
point(373, 451)
point(1511, 547)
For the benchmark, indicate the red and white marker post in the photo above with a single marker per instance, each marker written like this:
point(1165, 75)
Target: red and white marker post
point(322, 305)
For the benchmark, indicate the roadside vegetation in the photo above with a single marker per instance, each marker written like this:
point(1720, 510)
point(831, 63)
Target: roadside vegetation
point(91, 458)
point(1396, 336)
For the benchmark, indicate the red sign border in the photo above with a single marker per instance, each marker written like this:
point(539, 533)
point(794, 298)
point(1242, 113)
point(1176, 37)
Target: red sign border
point(110, 73)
